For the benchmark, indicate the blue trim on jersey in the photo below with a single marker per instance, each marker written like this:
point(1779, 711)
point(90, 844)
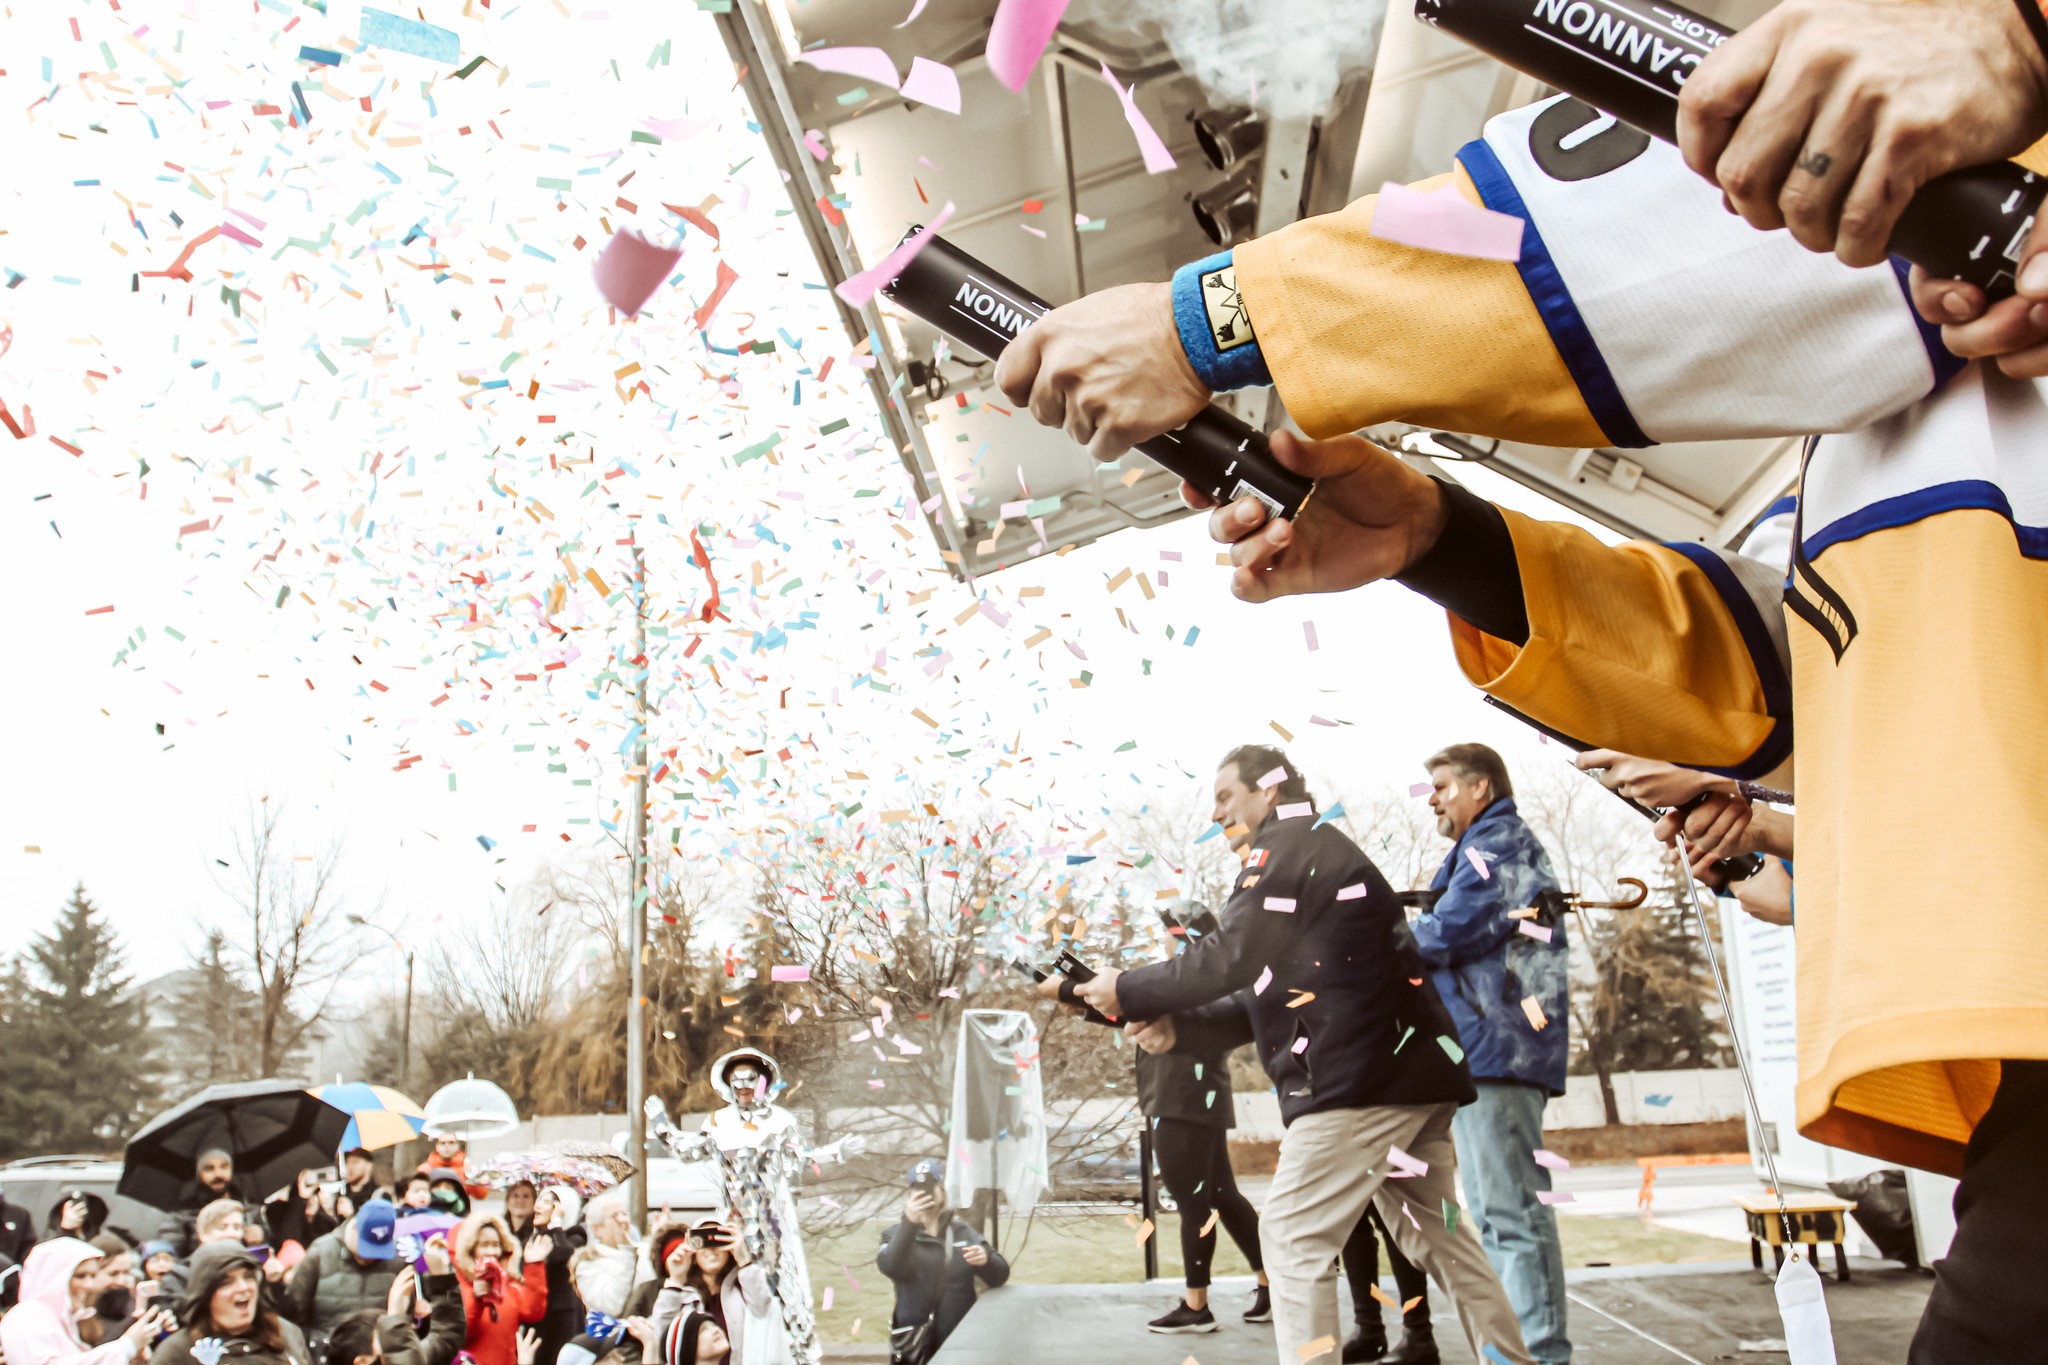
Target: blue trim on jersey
point(1922, 503)
point(1947, 364)
point(1763, 655)
point(1546, 286)
point(1788, 503)
point(1239, 367)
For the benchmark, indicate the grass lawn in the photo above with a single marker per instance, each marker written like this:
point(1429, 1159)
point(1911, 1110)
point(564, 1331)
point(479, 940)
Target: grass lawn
point(1102, 1248)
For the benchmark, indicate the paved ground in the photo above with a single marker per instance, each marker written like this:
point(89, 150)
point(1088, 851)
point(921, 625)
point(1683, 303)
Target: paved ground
point(1634, 1316)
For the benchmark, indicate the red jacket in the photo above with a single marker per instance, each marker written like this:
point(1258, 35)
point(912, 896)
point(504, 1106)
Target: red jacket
point(494, 1326)
point(460, 1166)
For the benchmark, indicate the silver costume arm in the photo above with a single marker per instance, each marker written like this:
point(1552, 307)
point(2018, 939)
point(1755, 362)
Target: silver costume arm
point(684, 1146)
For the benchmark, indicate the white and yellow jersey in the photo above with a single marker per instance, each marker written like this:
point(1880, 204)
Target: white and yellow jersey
point(1917, 607)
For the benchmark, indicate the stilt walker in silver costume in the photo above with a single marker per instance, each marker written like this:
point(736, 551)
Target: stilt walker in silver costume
point(761, 1157)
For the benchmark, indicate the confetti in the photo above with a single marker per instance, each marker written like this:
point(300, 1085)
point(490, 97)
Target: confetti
point(1420, 789)
point(1472, 856)
point(861, 288)
point(631, 268)
point(1533, 1011)
point(1355, 892)
point(1550, 1161)
point(932, 83)
point(1017, 36)
point(1445, 221)
point(1284, 904)
point(1535, 931)
point(868, 63)
point(1273, 779)
point(1295, 811)
point(1321, 1346)
point(1554, 1196)
point(1265, 980)
point(395, 33)
point(788, 973)
point(1150, 145)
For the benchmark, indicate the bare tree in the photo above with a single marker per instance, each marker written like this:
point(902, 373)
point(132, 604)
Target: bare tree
point(289, 930)
point(508, 967)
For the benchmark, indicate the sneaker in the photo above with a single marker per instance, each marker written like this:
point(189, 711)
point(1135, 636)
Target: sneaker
point(1262, 1305)
point(1182, 1319)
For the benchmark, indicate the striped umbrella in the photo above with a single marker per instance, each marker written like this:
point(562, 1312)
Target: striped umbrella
point(379, 1116)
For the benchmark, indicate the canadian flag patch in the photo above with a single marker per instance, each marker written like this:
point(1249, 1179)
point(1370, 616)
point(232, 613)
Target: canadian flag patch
point(1258, 858)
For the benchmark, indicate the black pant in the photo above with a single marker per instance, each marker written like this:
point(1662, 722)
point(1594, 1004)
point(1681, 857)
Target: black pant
point(1361, 1260)
point(1194, 1161)
point(1987, 1305)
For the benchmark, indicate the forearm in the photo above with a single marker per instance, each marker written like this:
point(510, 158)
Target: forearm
point(1770, 831)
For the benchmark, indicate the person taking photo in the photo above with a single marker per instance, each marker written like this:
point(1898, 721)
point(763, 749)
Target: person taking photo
point(934, 1259)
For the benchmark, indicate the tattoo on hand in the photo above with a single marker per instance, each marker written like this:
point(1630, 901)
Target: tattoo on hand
point(1815, 164)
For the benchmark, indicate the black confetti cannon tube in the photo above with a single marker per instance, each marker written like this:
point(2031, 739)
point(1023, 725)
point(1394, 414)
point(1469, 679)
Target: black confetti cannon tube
point(979, 309)
point(1630, 58)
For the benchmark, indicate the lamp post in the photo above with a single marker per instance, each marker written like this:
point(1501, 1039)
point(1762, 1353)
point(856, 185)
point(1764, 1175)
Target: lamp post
point(405, 1024)
point(636, 909)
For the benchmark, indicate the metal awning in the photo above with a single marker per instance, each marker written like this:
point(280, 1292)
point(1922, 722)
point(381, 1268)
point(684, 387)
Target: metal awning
point(1049, 189)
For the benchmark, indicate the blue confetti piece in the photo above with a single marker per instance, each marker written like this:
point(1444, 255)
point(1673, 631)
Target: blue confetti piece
point(320, 56)
point(398, 34)
point(1657, 1101)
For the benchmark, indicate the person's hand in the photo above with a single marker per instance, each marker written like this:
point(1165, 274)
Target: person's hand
point(1108, 368)
point(72, 1218)
point(920, 1205)
point(2013, 331)
point(1824, 116)
point(344, 1207)
point(1714, 829)
point(399, 1299)
point(1768, 895)
point(538, 1248)
point(642, 1331)
point(1647, 780)
point(851, 1146)
point(435, 1251)
point(1371, 517)
point(1099, 992)
point(143, 1330)
point(144, 1292)
point(976, 1255)
point(737, 1245)
point(273, 1269)
point(528, 1342)
point(1153, 1035)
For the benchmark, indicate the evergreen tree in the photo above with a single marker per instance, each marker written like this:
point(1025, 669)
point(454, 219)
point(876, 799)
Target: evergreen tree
point(76, 1042)
point(212, 1024)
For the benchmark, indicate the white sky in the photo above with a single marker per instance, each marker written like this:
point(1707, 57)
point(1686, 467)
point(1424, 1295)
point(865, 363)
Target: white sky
point(258, 698)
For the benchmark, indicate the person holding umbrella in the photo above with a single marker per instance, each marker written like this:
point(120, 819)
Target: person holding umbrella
point(224, 1307)
point(213, 1178)
point(59, 1280)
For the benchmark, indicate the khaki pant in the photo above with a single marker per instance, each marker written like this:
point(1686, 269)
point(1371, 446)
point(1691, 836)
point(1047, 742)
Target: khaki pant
point(1332, 1164)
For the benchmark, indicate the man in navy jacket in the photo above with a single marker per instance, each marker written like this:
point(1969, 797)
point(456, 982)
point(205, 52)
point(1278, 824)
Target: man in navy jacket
point(1498, 956)
point(1313, 962)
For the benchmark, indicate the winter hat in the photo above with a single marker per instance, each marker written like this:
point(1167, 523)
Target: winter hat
point(568, 1205)
point(210, 1265)
point(149, 1249)
point(679, 1342)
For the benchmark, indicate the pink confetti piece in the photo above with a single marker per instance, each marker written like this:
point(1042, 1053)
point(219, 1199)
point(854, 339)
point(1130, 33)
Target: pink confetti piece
point(1273, 779)
point(859, 289)
point(1445, 221)
point(1411, 1217)
point(814, 143)
point(1535, 931)
point(1150, 146)
point(1284, 904)
point(1265, 980)
point(631, 268)
point(915, 10)
point(825, 1303)
point(868, 63)
point(1351, 893)
point(1420, 789)
point(675, 129)
point(789, 973)
point(229, 230)
point(1550, 1161)
point(1296, 810)
point(1318, 720)
point(1017, 36)
point(1554, 1197)
point(1300, 1046)
point(1405, 1166)
point(1308, 631)
point(1478, 864)
point(932, 83)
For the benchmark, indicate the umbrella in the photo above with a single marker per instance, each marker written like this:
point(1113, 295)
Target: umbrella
point(584, 1176)
point(595, 1152)
point(379, 1116)
point(413, 1230)
point(273, 1129)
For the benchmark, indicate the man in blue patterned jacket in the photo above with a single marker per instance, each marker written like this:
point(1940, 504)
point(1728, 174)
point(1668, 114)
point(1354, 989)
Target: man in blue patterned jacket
point(1496, 947)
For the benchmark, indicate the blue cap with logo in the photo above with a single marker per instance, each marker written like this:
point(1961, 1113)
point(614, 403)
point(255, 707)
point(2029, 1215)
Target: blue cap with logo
point(377, 1230)
point(927, 1169)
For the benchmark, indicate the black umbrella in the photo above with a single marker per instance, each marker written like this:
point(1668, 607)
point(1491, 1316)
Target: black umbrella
point(273, 1129)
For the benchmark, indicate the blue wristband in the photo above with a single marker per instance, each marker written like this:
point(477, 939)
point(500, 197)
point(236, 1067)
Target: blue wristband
point(1215, 330)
